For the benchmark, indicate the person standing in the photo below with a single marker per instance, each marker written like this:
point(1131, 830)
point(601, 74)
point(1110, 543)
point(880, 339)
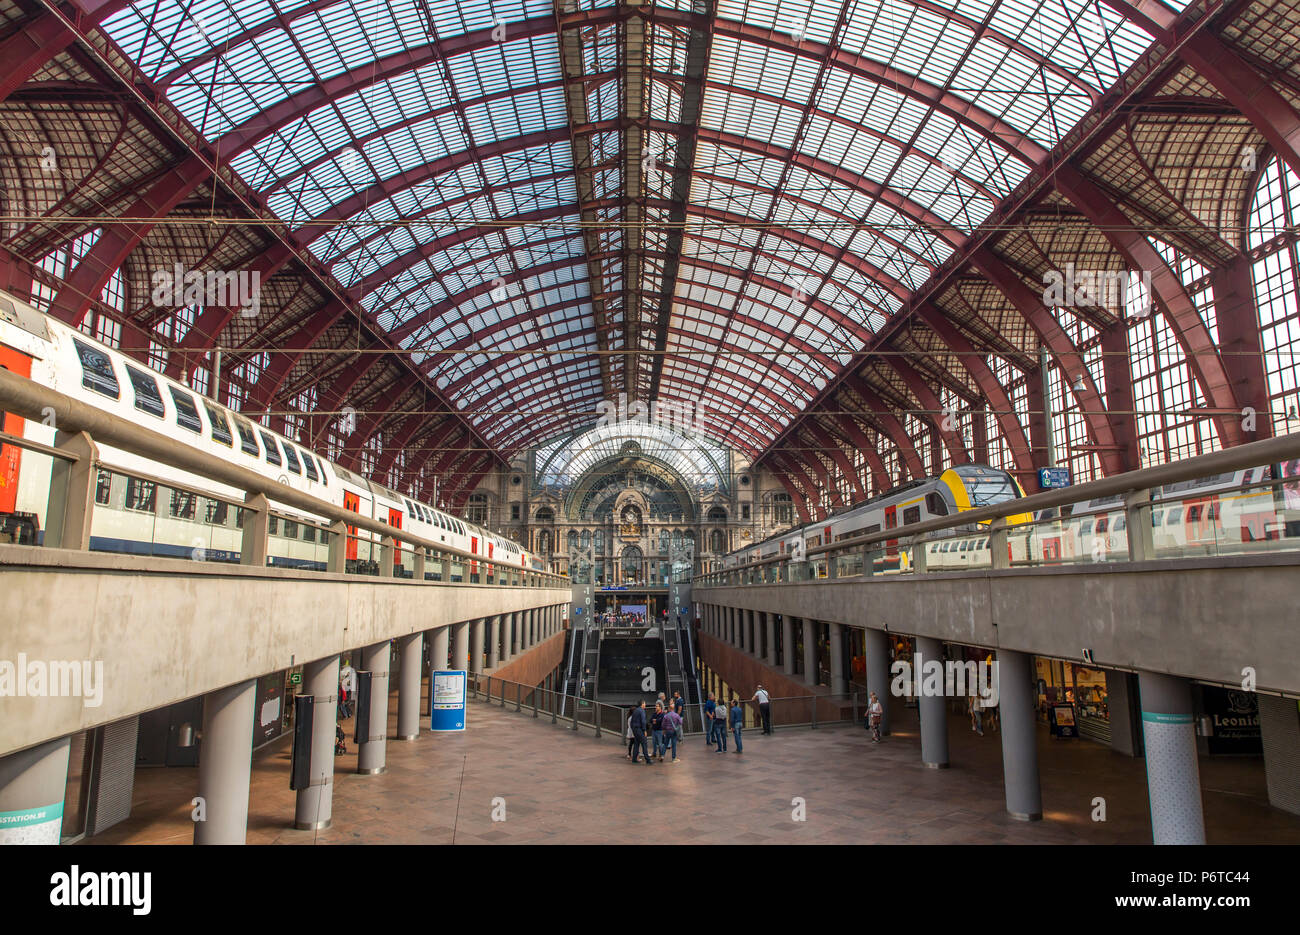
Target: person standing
point(657, 729)
point(764, 708)
point(709, 724)
point(672, 727)
point(720, 725)
point(875, 712)
point(630, 738)
point(638, 723)
point(737, 722)
point(976, 721)
point(678, 702)
point(347, 688)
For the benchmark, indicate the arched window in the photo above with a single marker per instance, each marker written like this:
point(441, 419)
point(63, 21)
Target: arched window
point(717, 541)
point(586, 539)
point(1276, 209)
point(782, 509)
point(717, 515)
point(598, 542)
point(545, 515)
point(573, 540)
point(663, 541)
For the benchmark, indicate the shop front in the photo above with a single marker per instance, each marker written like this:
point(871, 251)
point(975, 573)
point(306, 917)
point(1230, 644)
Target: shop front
point(1082, 690)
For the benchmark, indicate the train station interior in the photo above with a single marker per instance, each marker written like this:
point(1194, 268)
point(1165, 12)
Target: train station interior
point(898, 398)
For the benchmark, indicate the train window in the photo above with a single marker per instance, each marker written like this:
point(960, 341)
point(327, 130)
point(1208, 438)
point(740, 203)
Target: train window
point(323, 479)
point(310, 464)
point(1120, 522)
point(1086, 527)
point(1173, 516)
point(139, 495)
point(220, 427)
point(272, 449)
point(183, 504)
point(217, 512)
point(291, 460)
point(247, 439)
point(187, 417)
point(1194, 513)
point(874, 527)
point(147, 397)
point(911, 515)
point(1101, 524)
point(97, 370)
point(103, 487)
point(1156, 517)
point(273, 526)
point(410, 508)
point(308, 533)
point(290, 529)
point(984, 543)
point(936, 504)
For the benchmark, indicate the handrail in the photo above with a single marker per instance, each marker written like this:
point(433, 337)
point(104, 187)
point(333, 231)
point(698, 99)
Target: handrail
point(1252, 454)
point(29, 399)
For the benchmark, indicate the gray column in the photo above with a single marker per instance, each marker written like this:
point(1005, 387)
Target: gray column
point(787, 643)
point(459, 645)
point(933, 708)
point(32, 786)
point(371, 754)
point(494, 641)
point(769, 620)
point(225, 764)
point(477, 632)
point(837, 659)
point(1015, 679)
point(516, 633)
point(1279, 731)
point(1173, 779)
point(1125, 720)
point(809, 651)
point(876, 648)
point(314, 807)
point(410, 682)
point(439, 641)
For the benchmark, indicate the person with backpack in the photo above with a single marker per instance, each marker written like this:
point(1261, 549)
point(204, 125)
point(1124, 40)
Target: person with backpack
point(737, 722)
point(875, 713)
point(672, 726)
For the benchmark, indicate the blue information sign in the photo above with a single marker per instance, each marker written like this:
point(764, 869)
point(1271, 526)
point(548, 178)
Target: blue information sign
point(447, 712)
point(1053, 477)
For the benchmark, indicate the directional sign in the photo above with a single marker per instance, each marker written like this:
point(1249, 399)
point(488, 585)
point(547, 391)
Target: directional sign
point(1049, 478)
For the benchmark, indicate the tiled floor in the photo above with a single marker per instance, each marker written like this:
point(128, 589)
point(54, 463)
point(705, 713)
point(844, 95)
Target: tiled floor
point(559, 787)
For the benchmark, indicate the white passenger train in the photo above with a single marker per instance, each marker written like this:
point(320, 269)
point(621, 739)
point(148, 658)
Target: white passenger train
point(136, 508)
point(1198, 517)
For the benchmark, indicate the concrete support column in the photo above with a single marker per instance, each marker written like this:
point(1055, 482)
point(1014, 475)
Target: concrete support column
point(494, 642)
point(516, 633)
point(409, 684)
point(787, 643)
point(477, 634)
point(809, 651)
point(32, 786)
point(742, 628)
point(225, 764)
point(933, 708)
point(1019, 735)
point(875, 645)
point(509, 629)
point(1173, 778)
point(752, 623)
point(769, 620)
point(459, 645)
point(314, 807)
point(838, 685)
point(371, 754)
point(439, 643)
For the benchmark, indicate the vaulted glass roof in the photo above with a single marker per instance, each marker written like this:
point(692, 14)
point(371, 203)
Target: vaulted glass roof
point(706, 201)
point(699, 462)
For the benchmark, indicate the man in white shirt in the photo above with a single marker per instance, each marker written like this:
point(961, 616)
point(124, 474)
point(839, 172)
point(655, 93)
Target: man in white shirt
point(764, 708)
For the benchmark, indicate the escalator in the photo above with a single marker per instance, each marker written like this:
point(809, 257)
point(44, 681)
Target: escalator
point(573, 670)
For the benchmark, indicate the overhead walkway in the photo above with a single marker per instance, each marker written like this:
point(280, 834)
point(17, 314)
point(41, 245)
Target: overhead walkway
point(1220, 608)
point(93, 640)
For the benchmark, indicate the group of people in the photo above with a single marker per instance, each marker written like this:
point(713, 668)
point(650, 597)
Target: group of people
point(664, 725)
point(634, 619)
point(722, 716)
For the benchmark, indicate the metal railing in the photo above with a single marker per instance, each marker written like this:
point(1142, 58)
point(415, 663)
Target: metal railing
point(601, 719)
point(90, 502)
point(1244, 519)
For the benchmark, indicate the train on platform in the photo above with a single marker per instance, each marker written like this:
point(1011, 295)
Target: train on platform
point(1197, 517)
point(146, 507)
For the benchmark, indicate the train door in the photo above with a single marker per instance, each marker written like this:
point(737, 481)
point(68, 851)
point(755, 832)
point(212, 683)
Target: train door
point(824, 565)
point(473, 547)
point(11, 457)
point(395, 520)
point(1200, 524)
point(351, 502)
point(891, 545)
